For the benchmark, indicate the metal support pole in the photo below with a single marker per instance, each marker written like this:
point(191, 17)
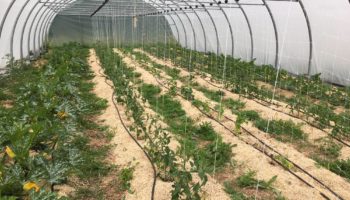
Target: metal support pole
point(275, 31)
point(24, 27)
point(5, 16)
point(310, 37)
point(250, 30)
point(14, 27)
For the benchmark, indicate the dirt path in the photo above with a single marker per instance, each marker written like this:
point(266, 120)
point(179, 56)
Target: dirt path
point(266, 112)
point(245, 154)
point(334, 181)
point(212, 190)
point(126, 153)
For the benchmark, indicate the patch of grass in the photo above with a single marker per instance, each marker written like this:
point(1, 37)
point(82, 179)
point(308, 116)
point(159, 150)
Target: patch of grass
point(215, 155)
point(201, 105)
point(187, 92)
point(234, 194)
point(125, 176)
point(329, 148)
point(205, 131)
point(244, 116)
point(340, 167)
point(282, 130)
point(210, 94)
point(233, 105)
point(248, 180)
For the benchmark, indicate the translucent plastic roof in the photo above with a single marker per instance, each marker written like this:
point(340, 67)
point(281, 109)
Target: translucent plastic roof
point(301, 36)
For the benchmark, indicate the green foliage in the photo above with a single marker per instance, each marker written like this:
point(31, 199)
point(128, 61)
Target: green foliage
point(234, 105)
point(248, 180)
point(234, 194)
point(214, 155)
point(340, 167)
point(187, 92)
point(284, 162)
point(244, 116)
point(201, 105)
point(312, 96)
point(125, 177)
point(157, 139)
point(282, 130)
point(210, 94)
point(329, 148)
point(342, 127)
point(42, 133)
point(205, 131)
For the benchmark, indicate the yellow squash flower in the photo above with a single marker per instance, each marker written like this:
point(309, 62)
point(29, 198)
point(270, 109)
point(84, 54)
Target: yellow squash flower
point(9, 152)
point(31, 185)
point(62, 115)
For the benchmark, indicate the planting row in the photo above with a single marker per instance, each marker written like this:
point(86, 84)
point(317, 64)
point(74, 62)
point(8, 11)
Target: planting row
point(322, 104)
point(46, 126)
point(285, 131)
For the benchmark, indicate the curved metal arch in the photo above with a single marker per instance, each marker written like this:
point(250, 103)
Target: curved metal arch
point(24, 27)
point(31, 28)
point(172, 19)
point(215, 29)
point(275, 31)
point(183, 26)
point(46, 20)
point(41, 21)
point(250, 30)
point(310, 36)
point(13, 30)
point(5, 16)
point(181, 22)
point(230, 28)
point(165, 23)
point(189, 20)
point(44, 30)
point(202, 26)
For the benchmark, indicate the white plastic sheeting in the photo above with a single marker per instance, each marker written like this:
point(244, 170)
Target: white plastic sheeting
point(329, 24)
point(24, 28)
point(207, 29)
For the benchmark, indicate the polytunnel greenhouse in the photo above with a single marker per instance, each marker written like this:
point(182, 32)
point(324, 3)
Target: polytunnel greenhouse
point(174, 99)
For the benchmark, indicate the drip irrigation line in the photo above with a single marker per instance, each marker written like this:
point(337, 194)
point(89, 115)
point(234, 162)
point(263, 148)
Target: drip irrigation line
point(262, 151)
point(279, 111)
point(132, 137)
point(274, 109)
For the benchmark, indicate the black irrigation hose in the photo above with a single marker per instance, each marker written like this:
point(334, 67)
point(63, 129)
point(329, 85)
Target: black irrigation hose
point(132, 137)
point(279, 111)
point(265, 153)
point(309, 123)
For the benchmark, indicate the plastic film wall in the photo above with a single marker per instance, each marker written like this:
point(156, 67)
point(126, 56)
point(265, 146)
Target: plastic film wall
point(114, 31)
point(313, 36)
point(24, 25)
point(301, 36)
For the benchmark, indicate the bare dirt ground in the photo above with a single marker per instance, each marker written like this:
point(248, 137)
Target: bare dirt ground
point(125, 153)
point(249, 157)
point(332, 180)
point(212, 190)
point(266, 112)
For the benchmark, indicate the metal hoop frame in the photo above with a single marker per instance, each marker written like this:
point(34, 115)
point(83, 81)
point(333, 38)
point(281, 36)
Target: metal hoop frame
point(46, 17)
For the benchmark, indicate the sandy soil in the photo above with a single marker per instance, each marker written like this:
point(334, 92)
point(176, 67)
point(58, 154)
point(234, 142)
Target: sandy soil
point(212, 190)
point(331, 179)
point(126, 153)
point(278, 91)
point(249, 157)
point(266, 112)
